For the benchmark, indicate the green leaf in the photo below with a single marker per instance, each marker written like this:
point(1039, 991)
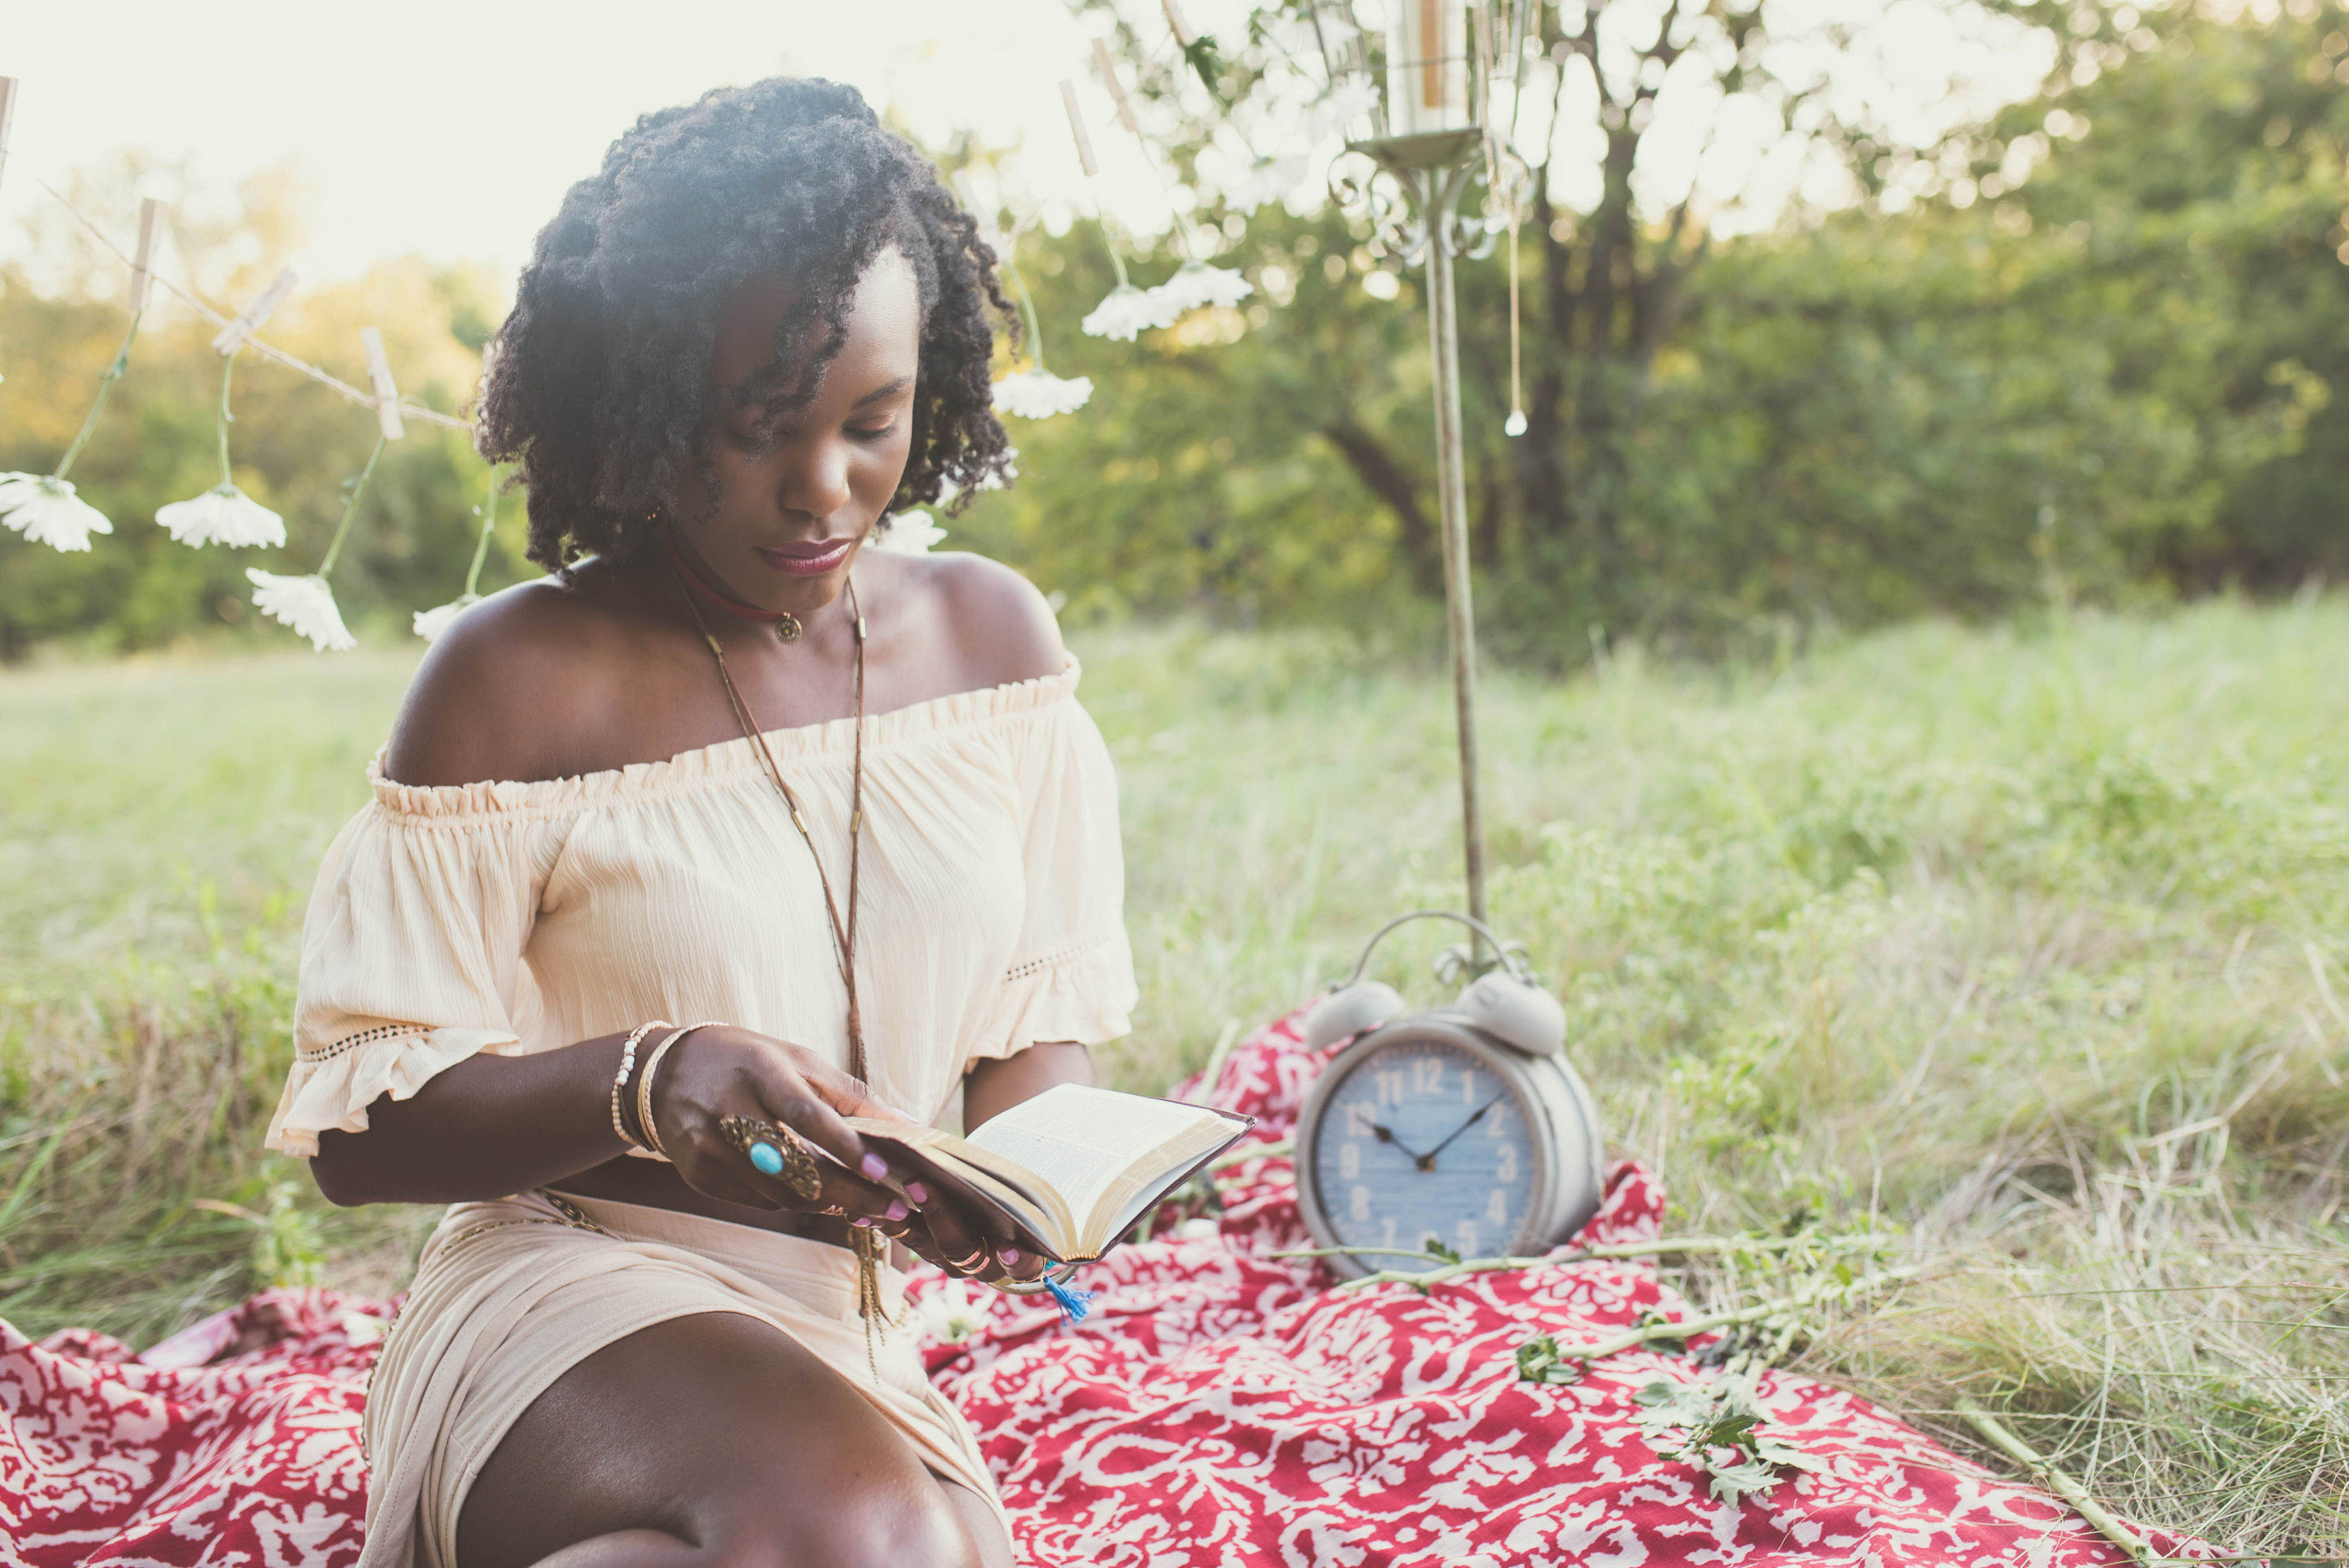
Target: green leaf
point(1540, 1361)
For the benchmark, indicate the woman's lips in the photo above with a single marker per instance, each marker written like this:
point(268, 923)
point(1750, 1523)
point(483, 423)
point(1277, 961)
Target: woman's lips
point(803, 561)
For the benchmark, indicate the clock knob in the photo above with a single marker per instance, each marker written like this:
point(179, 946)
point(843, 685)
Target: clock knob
point(1349, 1010)
point(1512, 1010)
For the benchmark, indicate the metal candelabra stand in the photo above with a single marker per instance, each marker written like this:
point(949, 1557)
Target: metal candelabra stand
point(1433, 90)
point(1432, 170)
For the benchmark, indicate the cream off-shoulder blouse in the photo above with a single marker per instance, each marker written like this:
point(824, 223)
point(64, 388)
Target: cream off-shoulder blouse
point(517, 917)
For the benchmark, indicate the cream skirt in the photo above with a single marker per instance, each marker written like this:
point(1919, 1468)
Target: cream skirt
point(512, 1294)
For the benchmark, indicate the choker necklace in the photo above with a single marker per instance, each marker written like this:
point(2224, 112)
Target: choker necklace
point(783, 623)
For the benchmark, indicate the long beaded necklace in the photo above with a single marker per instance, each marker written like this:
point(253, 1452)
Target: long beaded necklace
point(864, 1240)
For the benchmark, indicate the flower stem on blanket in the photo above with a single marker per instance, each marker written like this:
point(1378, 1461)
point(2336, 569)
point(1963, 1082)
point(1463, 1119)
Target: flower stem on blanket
point(1775, 1311)
point(1663, 1246)
point(1718, 1425)
point(2046, 1474)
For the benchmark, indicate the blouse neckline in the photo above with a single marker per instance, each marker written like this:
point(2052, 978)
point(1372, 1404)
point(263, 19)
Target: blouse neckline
point(721, 759)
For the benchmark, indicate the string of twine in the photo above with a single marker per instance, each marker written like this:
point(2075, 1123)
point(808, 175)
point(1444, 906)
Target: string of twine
point(277, 356)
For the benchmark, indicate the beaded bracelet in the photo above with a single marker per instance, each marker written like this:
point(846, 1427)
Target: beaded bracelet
point(645, 1085)
point(620, 1079)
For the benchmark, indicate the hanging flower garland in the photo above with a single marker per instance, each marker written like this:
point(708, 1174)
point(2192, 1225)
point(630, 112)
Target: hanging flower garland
point(222, 514)
point(43, 507)
point(1127, 311)
point(429, 624)
point(306, 603)
point(1034, 393)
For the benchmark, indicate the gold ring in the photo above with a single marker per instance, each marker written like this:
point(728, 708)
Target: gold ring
point(775, 1151)
point(964, 1265)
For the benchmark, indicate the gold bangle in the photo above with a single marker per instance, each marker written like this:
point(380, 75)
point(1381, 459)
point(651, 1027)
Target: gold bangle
point(645, 1085)
point(620, 1079)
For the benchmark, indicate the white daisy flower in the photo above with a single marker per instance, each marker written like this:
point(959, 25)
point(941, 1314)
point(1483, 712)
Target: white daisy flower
point(1340, 110)
point(47, 512)
point(1127, 312)
point(429, 624)
point(1195, 284)
point(1036, 395)
point(305, 603)
point(221, 515)
point(1010, 471)
point(955, 1311)
point(909, 533)
point(1267, 180)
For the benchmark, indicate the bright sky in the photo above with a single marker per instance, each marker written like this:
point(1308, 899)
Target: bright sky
point(451, 127)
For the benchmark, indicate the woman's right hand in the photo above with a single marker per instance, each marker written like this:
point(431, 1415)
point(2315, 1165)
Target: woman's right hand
point(720, 1071)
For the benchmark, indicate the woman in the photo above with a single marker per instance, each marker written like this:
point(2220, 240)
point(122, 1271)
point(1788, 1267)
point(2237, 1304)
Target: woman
point(723, 747)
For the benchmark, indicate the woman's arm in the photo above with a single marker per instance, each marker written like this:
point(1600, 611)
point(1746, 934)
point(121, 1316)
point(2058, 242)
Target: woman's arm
point(487, 1127)
point(491, 1126)
point(995, 1087)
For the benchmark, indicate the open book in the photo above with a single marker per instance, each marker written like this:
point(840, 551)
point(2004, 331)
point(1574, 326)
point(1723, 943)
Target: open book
point(1069, 1170)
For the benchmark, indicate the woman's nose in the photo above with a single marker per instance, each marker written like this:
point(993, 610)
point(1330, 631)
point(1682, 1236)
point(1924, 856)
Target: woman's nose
point(817, 484)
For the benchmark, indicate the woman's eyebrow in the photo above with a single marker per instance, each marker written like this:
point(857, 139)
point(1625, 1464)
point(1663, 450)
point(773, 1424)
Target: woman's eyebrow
point(877, 393)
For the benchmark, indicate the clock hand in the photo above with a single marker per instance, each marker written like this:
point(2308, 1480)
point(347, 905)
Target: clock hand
point(1427, 1160)
point(1385, 1134)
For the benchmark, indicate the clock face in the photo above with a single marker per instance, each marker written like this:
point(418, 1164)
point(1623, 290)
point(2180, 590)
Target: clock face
point(1423, 1140)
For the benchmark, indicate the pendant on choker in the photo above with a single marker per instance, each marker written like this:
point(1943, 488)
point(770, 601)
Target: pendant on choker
point(787, 628)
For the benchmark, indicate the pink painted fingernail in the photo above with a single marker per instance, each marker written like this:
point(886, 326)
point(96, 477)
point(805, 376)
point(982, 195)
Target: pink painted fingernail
point(897, 1209)
point(1011, 1256)
point(863, 1219)
point(917, 1192)
point(875, 1167)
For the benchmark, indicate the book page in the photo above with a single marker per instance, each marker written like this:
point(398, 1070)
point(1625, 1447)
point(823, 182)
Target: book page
point(1087, 1142)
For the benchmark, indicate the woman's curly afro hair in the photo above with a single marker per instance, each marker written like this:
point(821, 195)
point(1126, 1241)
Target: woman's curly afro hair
point(598, 382)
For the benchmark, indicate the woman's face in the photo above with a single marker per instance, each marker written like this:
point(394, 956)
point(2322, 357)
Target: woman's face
point(796, 502)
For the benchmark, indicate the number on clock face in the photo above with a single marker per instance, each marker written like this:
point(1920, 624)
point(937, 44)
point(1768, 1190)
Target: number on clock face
point(1423, 1141)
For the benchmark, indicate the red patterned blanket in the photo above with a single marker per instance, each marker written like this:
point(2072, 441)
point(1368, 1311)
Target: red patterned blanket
point(1219, 1406)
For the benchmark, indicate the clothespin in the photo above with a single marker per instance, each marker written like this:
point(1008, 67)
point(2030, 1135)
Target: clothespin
point(386, 396)
point(143, 270)
point(1106, 64)
point(968, 194)
point(7, 113)
point(1077, 127)
point(1182, 33)
point(233, 336)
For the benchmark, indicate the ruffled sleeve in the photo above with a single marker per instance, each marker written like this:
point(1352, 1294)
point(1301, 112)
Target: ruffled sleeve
point(412, 949)
point(1071, 973)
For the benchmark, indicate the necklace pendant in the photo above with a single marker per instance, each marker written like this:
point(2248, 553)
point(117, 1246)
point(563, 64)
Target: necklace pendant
point(787, 628)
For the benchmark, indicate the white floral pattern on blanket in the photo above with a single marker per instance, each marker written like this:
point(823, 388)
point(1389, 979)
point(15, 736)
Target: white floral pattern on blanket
point(1219, 1406)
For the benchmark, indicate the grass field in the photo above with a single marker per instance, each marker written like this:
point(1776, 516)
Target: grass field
point(2024, 952)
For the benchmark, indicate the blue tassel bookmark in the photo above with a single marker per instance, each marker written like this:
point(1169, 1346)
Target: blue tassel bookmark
point(1074, 1304)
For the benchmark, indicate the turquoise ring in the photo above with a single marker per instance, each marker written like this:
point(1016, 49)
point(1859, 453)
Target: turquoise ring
point(775, 1151)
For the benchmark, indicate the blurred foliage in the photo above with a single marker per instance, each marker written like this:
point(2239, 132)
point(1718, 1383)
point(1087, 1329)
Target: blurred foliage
point(2087, 349)
point(292, 443)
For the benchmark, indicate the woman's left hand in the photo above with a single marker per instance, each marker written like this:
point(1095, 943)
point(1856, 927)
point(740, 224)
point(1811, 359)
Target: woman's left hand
point(941, 1233)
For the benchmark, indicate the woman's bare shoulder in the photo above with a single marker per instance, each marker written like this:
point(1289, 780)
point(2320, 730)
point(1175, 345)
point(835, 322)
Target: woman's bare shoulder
point(1001, 627)
point(508, 688)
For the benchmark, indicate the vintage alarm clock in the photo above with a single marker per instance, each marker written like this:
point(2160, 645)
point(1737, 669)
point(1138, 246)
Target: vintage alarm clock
point(1463, 1123)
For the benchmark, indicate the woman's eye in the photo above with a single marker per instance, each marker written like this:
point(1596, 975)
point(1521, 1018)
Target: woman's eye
point(885, 430)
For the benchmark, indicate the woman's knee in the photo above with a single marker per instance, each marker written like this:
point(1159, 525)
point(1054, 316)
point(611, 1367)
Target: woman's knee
point(870, 1526)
